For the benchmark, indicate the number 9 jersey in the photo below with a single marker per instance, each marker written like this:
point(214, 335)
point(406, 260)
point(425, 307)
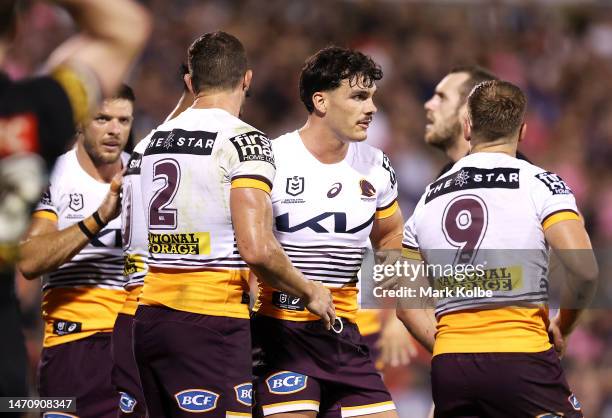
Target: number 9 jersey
point(188, 168)
point(489, 213)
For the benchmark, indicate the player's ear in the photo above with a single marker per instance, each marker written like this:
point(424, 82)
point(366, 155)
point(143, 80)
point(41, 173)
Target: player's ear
point(319, 102)
point(188, 83)
point(467, 129)
point(246, 81)
point(522, 132)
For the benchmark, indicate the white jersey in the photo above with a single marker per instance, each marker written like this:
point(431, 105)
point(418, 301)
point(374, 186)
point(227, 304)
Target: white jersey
point(74, 195)
point(324, 214)
point(188, 169)
point(490, 212)
point(134, 232)
point(84, 295)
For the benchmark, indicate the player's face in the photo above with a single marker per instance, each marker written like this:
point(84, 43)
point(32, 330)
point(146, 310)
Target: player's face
point(106, 135)
point(443, 111)
point(350, 109)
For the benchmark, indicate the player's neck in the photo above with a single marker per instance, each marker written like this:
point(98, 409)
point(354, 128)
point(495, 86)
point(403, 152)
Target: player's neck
point(458, 149)
point(101, 172)
point(322, 143)
point(500, 147)
point(231, 102)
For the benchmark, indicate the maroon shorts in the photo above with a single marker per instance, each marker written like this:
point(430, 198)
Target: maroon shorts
point(191, 363)
point(501, 385)
point(306, 367)
point(125, 372)
point(81, 369)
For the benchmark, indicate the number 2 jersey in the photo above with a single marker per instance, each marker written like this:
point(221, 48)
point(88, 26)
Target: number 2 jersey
point(490, 210)
point(323, 218)
point(84, 295)
point(188, 169)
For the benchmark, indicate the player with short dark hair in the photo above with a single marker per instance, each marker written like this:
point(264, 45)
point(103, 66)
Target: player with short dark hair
point(500, 213)
point(206, 179)
point(74, 241)
point(38, 115)
point(446, 108)
point(331, 194)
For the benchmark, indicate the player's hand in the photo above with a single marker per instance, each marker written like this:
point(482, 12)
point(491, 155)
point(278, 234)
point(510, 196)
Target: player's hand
point(111, 206)
point(556, 337)
point(395, 343)
point(321, 304)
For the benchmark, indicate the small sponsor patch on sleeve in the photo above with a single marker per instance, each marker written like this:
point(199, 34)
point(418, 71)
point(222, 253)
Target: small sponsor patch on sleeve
point(555, 184)
point(133, 165)
point(253, 146)
point(45, 199)
point(387, 166)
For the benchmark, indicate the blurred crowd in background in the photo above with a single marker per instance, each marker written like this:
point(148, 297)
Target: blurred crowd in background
point(561, 55)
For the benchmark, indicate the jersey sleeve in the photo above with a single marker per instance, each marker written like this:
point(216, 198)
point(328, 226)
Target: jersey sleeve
point(386, 203)
point(250, 161)
point(47, 207)
point(553, 199)
point(410, 244)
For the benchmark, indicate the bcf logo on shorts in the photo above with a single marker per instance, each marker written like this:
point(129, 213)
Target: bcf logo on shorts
point(197, 400)
point(127, 403)
point(286, 382)
point(244, 393)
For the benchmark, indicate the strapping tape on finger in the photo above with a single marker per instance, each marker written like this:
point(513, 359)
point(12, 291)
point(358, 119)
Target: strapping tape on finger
point(340, 328)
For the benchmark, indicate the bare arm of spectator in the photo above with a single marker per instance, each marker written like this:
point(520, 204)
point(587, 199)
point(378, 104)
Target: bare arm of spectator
point(93, 63)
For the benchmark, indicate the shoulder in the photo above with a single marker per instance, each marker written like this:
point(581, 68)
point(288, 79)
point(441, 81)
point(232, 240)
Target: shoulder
point(65, 164)
point(284, 141)
point(141, 146)
point(368, 154)
point(233, 127)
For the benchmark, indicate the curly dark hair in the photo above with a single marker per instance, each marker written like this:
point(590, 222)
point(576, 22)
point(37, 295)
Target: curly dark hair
point(326, 69)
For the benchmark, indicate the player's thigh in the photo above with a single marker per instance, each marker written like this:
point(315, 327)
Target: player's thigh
point(199, 362)
point(286, 392)
point(529, 384)
point(125, 372)
point(451, 376)
point(81, 369)
point(300, 414)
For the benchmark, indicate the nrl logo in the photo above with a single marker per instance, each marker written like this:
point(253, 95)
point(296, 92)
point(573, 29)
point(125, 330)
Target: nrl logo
point(76, 201)
point(295, 185)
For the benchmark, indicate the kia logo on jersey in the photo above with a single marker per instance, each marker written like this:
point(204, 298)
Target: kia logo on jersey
point(334, 190)
point(286, 382)
point(197, 400)
point(295, 185)
point(367, 189)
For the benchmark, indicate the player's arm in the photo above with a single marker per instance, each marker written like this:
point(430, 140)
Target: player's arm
point(113, 32)
point(45, 248)
point(395, 344)
point(419, 319)
point(417, 313)
point(252, 219)
point(573, 249)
